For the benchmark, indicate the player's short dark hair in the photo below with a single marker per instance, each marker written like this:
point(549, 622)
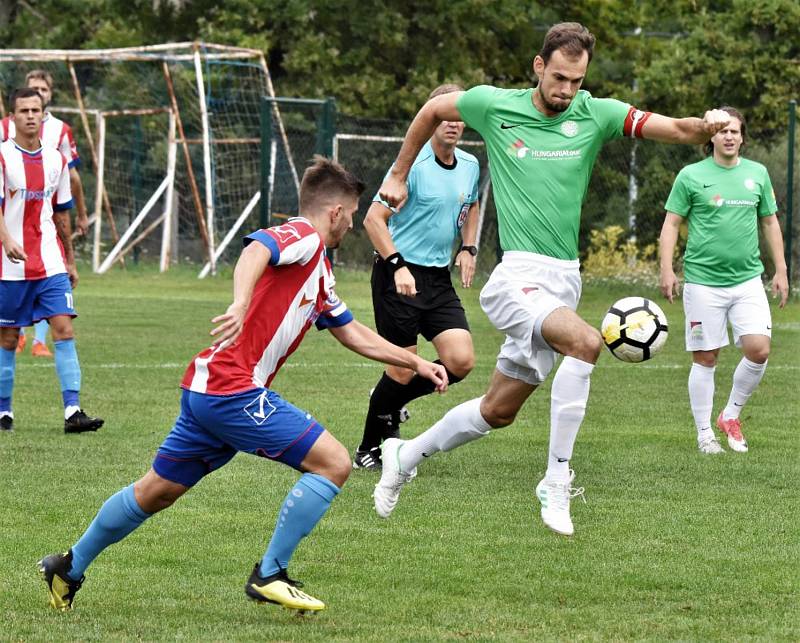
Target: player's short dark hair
point(571, 37)
point(326, 178)
point(23, 92)
point(447, 88)
point(40, 74)
point(732, 111)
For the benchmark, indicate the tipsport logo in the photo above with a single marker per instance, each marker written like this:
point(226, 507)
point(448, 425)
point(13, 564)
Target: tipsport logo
point(32, 195)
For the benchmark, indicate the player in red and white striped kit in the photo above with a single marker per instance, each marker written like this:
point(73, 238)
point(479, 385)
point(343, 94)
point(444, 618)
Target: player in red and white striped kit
point(282, 285)
point(37, 271)
point(57, 134)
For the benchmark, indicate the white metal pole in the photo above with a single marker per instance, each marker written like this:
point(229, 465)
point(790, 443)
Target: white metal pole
point(166, 231)
point(134, 224)
point(229, 237)
point(101, 186)
point(201, 95)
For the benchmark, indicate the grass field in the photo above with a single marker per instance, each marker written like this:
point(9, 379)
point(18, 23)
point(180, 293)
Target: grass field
point(670, 545)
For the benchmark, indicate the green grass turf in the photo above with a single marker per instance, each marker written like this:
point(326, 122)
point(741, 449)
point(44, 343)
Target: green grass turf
point(670, 545)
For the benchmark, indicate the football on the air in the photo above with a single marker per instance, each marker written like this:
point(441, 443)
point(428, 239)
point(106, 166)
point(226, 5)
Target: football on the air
point(634, 329)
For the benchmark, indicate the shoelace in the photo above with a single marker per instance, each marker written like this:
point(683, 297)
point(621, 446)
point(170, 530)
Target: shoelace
point(734, 429)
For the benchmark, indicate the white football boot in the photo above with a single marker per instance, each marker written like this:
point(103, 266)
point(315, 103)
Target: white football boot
point(387, 491)
point(555, 496)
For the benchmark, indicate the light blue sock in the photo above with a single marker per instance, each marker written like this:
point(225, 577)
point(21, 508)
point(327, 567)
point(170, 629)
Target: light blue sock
point(118, 517)
point(40, 331)
point(302, 509)
point(8, 364)
point(67, 366)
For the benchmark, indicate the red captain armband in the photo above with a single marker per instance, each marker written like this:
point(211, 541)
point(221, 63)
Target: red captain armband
point(634, 122)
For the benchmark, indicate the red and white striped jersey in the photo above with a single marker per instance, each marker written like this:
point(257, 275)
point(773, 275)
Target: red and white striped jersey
point(295, 291)
point(33, 185)
point(54, 133)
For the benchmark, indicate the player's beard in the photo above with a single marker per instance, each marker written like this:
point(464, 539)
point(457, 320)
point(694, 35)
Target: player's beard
point(553, 107)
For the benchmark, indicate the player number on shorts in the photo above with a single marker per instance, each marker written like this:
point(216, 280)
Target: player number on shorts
point(68, 295)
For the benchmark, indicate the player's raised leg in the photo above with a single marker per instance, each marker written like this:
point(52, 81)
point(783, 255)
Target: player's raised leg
point(462, 424)
point(580, 344)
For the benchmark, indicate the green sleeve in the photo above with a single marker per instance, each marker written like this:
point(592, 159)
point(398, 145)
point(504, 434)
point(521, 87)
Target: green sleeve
point(473, 105)
point(679, 200)
point(767, 205)
point(610, 115)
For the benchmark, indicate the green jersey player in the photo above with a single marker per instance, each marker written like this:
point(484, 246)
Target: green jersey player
point(724, 198)
point(542, 144)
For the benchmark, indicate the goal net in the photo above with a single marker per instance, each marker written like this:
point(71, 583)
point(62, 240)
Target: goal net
point(169, 139)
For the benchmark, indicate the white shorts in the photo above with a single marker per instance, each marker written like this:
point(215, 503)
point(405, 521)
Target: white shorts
point(709, 308)
point(521, 292)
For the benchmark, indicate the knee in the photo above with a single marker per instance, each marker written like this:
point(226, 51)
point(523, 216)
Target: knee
point(9, 340)
point(152, 497)
point(496, 415)
point(758, 355)
point(586, 345)
point(337, 467)
point(705, 358)
point(461, 366)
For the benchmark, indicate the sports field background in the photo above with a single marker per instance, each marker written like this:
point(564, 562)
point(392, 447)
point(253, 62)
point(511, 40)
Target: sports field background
point(670, 545)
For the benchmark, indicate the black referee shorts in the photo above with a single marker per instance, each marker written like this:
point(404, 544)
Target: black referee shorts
point(400, 319)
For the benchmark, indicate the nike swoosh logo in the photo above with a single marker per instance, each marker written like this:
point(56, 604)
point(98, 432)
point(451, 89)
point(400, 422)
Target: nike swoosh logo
point(510, 125)
point(707, 185)
point(426, 455)
point(735, 404)
point(563, 459)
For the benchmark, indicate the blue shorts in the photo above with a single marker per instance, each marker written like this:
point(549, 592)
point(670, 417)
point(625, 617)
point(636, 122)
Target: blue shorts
point(24, 302)
point(211, 429)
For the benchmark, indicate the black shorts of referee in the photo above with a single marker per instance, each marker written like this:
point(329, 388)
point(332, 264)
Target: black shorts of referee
point(435, 308)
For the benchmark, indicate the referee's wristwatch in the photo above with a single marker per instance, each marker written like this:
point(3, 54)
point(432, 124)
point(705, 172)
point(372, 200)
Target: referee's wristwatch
point(473, 250)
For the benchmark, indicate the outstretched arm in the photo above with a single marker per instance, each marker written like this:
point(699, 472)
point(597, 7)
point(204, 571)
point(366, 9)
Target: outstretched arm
point(690, 131)
point(772, 233)
point(364, 341)
point(666, 249)
point(437, 109)
point(251, 265)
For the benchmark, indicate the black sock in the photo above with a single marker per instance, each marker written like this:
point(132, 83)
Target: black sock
point(383, 416)
point(419, 386)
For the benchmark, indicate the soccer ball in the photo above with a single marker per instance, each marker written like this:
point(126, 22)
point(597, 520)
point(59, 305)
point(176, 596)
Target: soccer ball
point(634, 329)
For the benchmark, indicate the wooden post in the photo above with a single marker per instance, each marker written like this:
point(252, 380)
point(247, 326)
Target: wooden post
point(198, 206)
point(88, 131)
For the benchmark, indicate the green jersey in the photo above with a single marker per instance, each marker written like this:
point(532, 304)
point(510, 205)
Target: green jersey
point(722, 205)
point(541, 165)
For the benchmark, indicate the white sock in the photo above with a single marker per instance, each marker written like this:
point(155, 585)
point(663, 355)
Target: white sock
point(568, 398)
point(745, 380)
point(461, 424)
point(701, 396)
point(69, 410)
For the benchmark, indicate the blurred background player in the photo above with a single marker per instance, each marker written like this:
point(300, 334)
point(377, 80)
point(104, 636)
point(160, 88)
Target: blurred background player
point(542, 144)
point(282, 284)
point(412, 291)
point(57, 134)
point(724, 198)
point(37, 273)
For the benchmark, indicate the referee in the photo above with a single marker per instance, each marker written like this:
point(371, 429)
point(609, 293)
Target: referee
point(412, 292)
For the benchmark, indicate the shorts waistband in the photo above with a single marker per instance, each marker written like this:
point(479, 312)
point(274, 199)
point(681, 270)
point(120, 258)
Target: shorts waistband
point(519, 258)
point(429, 269)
